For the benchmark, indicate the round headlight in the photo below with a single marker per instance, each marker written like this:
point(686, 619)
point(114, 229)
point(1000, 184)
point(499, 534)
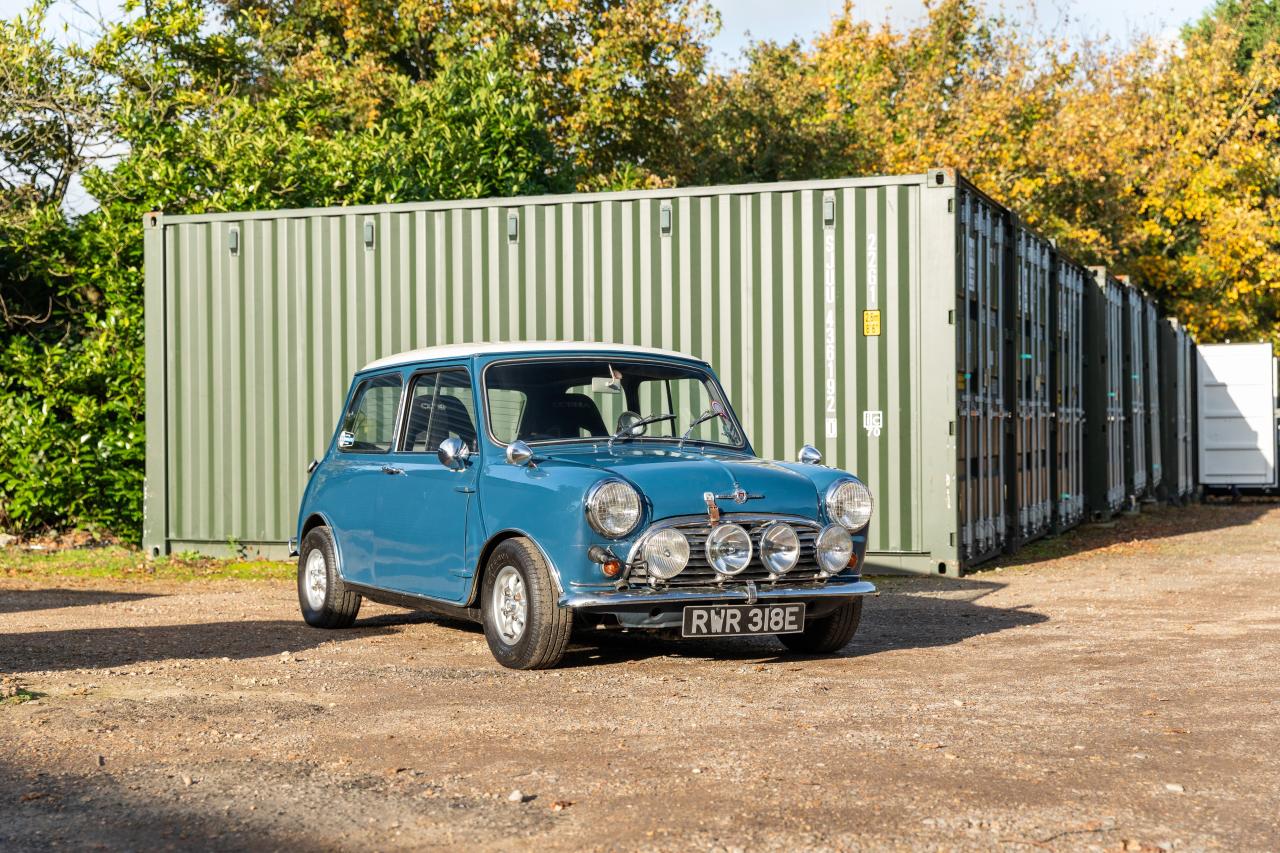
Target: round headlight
point(728, 549)
point(834, 548)
point(849, 504)
point(666, 553)
point(779, 548)
point(613, 508)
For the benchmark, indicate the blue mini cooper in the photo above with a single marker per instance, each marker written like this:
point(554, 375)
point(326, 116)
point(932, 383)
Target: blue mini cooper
point(535, 487)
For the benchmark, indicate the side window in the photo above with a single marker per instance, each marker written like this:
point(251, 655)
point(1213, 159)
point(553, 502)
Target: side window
point(506, 409)
point(441, 406)
point(371, 420)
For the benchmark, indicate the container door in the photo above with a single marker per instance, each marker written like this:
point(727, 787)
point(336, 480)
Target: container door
point(1237, 415)
point(1030, 395)
point(1116, 414)
point(1186, 447)
point(423, 506)
point(1068, 413)
point(1134, 396)
point(1155, 466)
point(980, 388)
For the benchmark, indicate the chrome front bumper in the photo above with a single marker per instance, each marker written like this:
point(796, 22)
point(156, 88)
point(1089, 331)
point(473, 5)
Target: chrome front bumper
point(748, 594)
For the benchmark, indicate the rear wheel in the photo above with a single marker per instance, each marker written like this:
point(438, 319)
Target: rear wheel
point(830, 633)
point(323, 597)
point(523, 623)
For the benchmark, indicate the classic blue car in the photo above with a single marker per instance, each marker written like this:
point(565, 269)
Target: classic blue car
point(538, 487)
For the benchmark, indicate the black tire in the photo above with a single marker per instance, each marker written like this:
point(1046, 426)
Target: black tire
point(827, 634)
point(337, 606)
point(544, 636)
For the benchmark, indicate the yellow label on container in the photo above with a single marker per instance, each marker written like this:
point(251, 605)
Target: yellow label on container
point(871, 323)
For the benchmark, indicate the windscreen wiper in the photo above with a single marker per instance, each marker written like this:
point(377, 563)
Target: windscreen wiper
point(628, 430)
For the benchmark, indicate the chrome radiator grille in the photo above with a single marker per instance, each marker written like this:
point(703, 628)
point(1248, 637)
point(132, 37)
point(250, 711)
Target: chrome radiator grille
point(699, 572)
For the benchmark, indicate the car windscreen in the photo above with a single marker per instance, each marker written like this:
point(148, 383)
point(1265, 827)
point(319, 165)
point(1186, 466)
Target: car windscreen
point(540, 400)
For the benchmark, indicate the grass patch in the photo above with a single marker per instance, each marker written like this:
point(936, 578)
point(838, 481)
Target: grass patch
point(13, 693)
point(116, 562)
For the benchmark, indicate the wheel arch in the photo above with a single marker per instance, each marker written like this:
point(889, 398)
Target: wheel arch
point(313, 521)
point(492, 544)
point(319, 519)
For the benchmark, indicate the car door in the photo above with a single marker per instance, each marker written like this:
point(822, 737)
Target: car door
point(355, 474)
point(423, 506)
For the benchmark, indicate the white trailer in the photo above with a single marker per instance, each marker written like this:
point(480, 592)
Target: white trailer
point(1236, 392)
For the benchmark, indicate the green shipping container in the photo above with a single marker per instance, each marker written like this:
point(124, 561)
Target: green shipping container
point(865, 316)
point(1104, 396)
point(1177, 392)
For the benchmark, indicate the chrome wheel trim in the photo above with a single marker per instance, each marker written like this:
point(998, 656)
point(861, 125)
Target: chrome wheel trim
point(315, 579)
point(509, 605)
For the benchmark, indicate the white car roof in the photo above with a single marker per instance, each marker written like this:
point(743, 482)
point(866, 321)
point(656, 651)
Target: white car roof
point(515, 348)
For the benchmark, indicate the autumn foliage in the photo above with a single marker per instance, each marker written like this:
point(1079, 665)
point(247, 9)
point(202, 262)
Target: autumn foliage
point(1159, 159)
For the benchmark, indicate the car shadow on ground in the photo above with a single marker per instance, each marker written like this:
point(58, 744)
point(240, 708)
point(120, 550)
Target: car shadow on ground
point(909, 615)
point(23, 600)
point(1154, 521)
point(123, 646)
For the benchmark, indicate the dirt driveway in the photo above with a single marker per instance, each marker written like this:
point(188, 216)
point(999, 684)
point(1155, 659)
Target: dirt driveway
point(1123, 697)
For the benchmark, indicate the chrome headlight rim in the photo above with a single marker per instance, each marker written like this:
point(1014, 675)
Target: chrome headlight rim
point(651, 539)
point(856, 518)
point(822, 549)
point(722, 531)
point(592, 510)
point(766, 532)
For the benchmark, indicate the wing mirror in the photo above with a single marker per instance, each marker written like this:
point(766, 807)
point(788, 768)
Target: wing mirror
point(809, 455)
point(519, 453)
point(453, 453)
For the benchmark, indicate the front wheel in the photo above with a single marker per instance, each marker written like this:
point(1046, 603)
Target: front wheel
point(827, 634)
point(523, 623)
point(323, 597)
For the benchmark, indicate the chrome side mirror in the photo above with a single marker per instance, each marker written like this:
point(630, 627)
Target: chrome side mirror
point(453, 453)
point(346, 440)
point(809, 455)
point(519, 453)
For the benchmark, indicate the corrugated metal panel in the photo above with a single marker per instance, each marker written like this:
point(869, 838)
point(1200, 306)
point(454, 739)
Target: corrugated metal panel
point(1176, 366)
point(1068, 395)
point(980, 311)
point(1029, 373)
point(1151, 365)
point(1104, 430)
point(254, 345)
point(262, 340)
point(1239, 448)
point(1135, 397)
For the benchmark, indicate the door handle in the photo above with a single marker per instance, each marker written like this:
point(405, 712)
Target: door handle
point(391, 469)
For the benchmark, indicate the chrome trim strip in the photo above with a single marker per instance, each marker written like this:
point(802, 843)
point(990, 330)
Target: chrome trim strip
point(695, 595)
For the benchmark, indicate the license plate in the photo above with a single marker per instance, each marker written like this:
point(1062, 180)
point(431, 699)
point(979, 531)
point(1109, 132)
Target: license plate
point(734, 620)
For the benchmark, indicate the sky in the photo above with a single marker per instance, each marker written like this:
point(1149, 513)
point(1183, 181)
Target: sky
point(782, 20)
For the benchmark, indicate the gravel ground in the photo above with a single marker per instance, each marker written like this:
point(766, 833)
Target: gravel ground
point(1115, 689)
